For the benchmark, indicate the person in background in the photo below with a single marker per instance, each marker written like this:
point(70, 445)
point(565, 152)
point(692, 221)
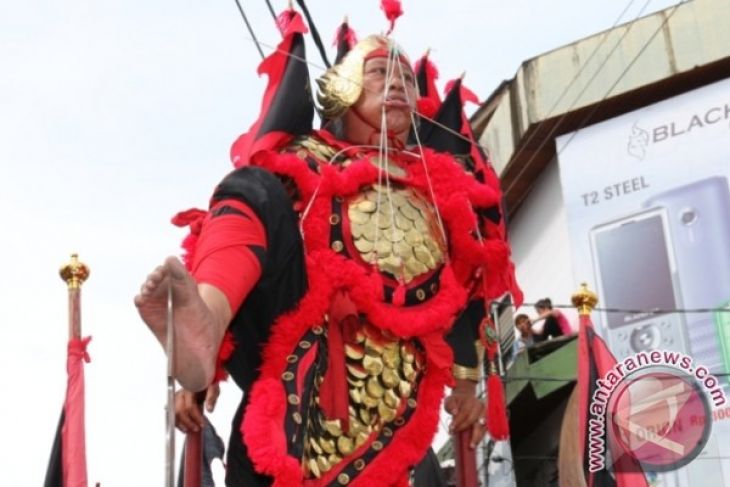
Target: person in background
point(556, 324)
point(527, 336)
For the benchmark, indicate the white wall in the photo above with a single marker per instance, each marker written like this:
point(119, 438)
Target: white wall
point(540, 245)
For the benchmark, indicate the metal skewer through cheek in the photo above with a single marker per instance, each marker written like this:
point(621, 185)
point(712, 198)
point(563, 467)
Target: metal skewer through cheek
point(170, 407)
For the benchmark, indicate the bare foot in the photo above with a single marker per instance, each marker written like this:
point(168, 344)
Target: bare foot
point(196, 341)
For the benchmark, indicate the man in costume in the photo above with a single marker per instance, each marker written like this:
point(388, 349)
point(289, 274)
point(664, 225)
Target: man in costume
point(356, 262)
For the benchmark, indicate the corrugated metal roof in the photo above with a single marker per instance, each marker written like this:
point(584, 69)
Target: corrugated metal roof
point(601, 76)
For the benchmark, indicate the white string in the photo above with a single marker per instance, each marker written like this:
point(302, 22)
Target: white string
point(428, 175)
point(382, 151)
point(307, 209)
point(360, 146)
point(390, 69)
point(305, 213)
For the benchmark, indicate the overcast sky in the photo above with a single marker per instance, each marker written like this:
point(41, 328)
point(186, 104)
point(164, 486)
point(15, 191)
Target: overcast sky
point(116, 115)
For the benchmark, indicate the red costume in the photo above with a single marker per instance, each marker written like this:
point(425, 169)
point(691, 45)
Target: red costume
point(356, 268)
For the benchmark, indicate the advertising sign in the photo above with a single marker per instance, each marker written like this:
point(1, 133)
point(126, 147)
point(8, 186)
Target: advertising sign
point(647, 198)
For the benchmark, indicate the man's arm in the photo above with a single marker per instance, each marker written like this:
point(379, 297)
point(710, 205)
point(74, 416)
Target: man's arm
point(463, 403)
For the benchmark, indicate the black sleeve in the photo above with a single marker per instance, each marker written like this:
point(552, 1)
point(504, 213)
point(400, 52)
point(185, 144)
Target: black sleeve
point(283, 274)
point(464, 334)
point(552, 328)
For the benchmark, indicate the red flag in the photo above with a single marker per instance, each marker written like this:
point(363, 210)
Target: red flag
point(595, 360)
point(67, 466)
point(345, 39)
point(466, 94)
point(460, 141)
point(429, 100)
point(287, 108)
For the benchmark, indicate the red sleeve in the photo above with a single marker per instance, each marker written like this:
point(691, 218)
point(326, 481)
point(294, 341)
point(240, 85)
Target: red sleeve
point(224, 255)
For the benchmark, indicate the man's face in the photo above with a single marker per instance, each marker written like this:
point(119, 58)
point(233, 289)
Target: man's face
point(524, 326)
point(394, 91)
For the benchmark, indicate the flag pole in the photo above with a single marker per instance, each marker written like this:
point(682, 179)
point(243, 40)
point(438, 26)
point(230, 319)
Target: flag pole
point(595, 360)
point(73, 432)
point(570, 453)
point(74, 273)
point(584, 301)
point(465, 460)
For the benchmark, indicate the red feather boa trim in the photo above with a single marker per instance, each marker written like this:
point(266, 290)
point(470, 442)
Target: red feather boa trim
point(456, 194)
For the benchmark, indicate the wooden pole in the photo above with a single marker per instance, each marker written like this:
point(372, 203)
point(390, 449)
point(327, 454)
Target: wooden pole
point(465, 460)
point(193, 473)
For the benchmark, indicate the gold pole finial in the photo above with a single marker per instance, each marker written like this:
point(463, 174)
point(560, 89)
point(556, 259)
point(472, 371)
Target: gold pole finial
point(428, 52)
point(74, 273)
point(584, 300)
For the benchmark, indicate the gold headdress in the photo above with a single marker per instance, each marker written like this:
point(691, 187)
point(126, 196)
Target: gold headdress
point(341, 85)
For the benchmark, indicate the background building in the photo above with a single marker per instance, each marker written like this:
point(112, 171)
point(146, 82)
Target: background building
point(560, 110)
point(594, 79)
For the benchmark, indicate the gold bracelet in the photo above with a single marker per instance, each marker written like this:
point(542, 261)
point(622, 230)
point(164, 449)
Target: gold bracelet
point(466, 373)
